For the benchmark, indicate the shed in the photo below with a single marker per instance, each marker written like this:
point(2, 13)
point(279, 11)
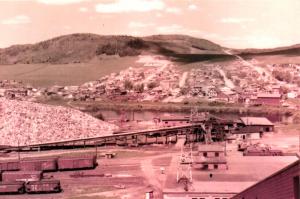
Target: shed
point(272, 99)
point(254, 127)
point(211, 150)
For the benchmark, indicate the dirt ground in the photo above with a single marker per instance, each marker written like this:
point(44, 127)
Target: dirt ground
point(135, 170)
point(129, 174)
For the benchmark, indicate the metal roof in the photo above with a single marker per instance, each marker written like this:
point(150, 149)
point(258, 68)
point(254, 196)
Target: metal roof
point(256, 121)
point(268, 95)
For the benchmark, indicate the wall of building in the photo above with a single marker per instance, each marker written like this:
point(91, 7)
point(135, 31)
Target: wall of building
point(212, 154)
point(281, 185)
point(268, 101)
point(190, 195)
point(244, 136)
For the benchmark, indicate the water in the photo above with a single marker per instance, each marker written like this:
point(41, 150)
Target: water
point(149, 115)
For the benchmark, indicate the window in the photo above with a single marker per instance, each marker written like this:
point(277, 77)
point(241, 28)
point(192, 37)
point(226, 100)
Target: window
point(217, 154)
point(205, 154)
point(296, 187)
point(215, 166)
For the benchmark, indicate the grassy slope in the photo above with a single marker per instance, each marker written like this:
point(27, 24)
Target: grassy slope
point(47, 59)
point(41, 75)
point(70, 59)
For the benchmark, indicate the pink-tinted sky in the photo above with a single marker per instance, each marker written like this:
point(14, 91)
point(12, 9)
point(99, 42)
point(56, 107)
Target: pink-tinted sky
point(231, 23)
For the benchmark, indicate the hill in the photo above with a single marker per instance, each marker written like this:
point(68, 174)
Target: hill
point(81, 48)
point(293, 50)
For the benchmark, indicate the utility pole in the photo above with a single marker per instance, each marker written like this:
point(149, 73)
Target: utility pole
point(19, 158)
point(96, 146)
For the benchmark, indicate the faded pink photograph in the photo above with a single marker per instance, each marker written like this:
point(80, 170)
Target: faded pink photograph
point(149, 99)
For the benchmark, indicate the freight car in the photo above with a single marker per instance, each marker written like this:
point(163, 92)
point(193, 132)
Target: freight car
point(73, 163)
point(25, 176)
point(50, 164)
point(43, 186)
point(12, 188)
point(9, 166)
point(39, 165)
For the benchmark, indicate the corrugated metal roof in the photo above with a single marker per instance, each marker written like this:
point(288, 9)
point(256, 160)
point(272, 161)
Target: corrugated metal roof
point(268, 95)
point(256, 121)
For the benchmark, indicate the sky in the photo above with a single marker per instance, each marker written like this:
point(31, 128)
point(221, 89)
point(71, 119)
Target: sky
point(230, 23)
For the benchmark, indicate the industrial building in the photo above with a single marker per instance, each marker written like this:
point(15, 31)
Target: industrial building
point(282, 184)
point(254, 127)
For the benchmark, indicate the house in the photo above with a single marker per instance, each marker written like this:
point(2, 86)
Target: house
point(221, 97)
point(271, 99)
point(253, 127)
point(210, 92)
point(292, 95)
point(211, 156)
point(276, 88)
point(211, 150)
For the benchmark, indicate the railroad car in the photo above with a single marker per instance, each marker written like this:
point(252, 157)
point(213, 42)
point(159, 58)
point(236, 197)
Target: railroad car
point(39, 165)
point(73, 163)
point(13, 165)
point(12, 188)
point(24, 176)
point(43, 186)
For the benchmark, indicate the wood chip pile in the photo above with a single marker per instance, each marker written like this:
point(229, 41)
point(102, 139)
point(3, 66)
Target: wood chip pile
point(32, 123)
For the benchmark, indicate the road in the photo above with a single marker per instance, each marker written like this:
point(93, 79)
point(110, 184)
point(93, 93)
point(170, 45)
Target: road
point(183, 79)
point(227, 81)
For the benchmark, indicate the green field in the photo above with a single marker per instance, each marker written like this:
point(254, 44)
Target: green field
point(43, 75)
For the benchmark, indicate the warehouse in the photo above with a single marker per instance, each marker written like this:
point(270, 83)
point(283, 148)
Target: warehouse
point(282, 184)
point(254, 127)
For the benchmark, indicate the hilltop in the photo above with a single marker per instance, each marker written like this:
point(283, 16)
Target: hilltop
point(81, 48)
point(293, 50)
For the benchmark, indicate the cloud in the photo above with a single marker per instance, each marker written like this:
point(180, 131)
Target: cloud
point(19, 19)
point(136, 33)
point(83, 9)
point(236, 20)
point(136, 24)
point(158, 15)
point(177, 29)
point(255, 40)
point(66, 27)
point(192, 7)
point(121, 6)
point(174, 28)
point(173, 10)
point(59, 2)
